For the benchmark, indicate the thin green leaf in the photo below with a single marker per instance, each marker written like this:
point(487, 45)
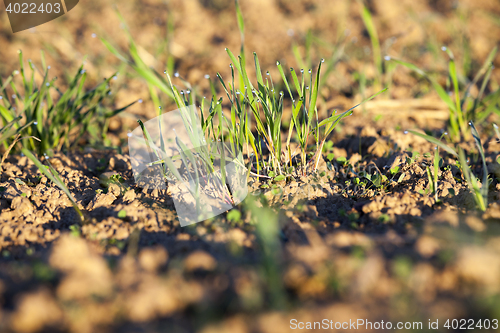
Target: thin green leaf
point(475, 135)
point(54, 177)
point(435, 141)
point(472, 182)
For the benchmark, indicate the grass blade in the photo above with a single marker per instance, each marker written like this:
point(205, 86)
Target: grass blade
point(435, 141)
point(370, 27)
point(241, 23)
point(54, 177)
point(484, 188)
point(471, 181)
point(314, 95)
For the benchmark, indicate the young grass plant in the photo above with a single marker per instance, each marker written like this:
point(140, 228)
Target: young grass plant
point(260, 99)
point(383, 70)
point(268, 238)
point(464, 108)
point(479, 191)
point(198, 167)
point(59, 123)
point(155, 81)
point(265, 100)
point(372, 32)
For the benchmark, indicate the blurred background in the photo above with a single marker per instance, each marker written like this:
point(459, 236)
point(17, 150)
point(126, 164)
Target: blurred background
point(190, 37)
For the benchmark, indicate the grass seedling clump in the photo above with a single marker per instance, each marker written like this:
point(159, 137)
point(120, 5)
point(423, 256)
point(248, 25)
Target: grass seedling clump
point(479, 190)
point(464, 110)
point(41, 111)
point(260, 102)
point(463, 107)
point(266, 106)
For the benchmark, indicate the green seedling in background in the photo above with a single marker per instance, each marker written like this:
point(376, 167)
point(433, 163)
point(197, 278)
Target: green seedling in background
point(383, 70)
point(234, 215)
point(466, 108)
point(122, 214)
point(75, 230)
point(156, 82)
point(372, 32)
point(480, 194)
point(42, 112)
point(268, 236)
point(335, 53)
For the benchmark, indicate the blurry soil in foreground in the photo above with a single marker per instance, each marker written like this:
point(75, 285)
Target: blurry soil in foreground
point(331, 250)
point(335, 252)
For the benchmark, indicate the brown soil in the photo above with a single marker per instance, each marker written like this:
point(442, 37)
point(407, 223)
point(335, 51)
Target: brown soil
point(343, 248)
point(343, 252)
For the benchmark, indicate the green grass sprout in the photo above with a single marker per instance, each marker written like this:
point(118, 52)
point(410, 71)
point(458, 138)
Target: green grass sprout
point(485, 183)
point(372, 32)
point(480, 192)
point(462, 106)
point(154, 80)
